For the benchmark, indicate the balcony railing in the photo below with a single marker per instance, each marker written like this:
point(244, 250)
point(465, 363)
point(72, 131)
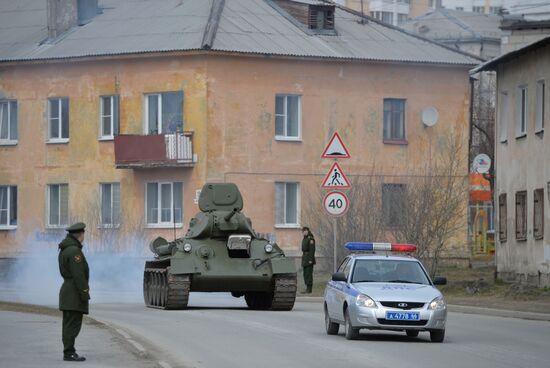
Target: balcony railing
point(151, 151)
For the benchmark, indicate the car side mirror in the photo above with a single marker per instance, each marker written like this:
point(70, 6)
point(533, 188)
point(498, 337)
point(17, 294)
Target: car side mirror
point(440, 280)
point(339, 276)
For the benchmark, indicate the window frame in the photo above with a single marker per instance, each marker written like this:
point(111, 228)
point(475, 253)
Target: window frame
point(159, 224)
point(522, 113)
point(538, 209)
point(391, 139)
point(112, 225)
point(540, 108)
point(287, 225)
point(48, 206)
point(58, 139)
point(521, 233)
point(287, 137)
point(159, 96)
point(503, 116)
point(114, 117)
point(9, 209)
point(10, 141)
point(502, 213)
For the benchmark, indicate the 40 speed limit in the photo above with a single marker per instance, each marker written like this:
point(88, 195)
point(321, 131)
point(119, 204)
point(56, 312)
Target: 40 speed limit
point(336, 203)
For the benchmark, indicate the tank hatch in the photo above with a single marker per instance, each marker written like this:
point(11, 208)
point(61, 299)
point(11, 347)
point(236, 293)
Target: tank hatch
point(220, 196)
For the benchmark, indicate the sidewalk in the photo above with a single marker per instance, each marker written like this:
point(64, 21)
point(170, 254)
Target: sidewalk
point(34, 340)
point(455, 308)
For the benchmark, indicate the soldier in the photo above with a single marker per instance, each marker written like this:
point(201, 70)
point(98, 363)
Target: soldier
point(74, 293)
point(308, 258)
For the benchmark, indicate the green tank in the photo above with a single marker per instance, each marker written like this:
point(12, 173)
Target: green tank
point(220, 253)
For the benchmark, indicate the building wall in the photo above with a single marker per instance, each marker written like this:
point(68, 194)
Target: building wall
point(515, 39)
point(230, 105)
point(85, 161)
point(413, 9)
point(522, 164)
point(336, 96)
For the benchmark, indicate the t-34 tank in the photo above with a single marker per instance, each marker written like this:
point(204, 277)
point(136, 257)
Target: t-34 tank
point(220, 253)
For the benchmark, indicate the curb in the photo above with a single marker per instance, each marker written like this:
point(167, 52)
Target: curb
point(465, 309)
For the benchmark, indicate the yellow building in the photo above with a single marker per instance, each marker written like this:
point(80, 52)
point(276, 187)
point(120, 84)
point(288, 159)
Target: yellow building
point(118, 120)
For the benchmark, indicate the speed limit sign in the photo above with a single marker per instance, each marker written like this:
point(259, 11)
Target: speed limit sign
point(336, 203)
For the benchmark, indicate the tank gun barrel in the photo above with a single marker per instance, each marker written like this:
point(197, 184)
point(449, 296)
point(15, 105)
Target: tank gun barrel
point(230, 215)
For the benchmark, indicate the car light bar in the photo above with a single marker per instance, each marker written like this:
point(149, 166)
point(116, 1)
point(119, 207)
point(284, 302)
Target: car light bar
point(391, 247)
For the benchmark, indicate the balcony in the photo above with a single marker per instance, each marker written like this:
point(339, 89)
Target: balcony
point(154, 151)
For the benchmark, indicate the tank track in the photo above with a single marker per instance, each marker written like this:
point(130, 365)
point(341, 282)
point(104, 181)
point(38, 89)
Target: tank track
point(284, 292)
point(163, 290)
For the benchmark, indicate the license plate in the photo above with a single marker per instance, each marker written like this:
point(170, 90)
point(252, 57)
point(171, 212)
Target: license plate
point(403, 316)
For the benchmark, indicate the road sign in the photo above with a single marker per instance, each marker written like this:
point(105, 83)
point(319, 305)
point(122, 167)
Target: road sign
point(335, 178)
point(335, 148)
point(482, 163)
point(336, 203)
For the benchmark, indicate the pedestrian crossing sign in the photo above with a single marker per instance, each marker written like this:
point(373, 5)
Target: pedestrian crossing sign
point(335, 148)
point(336, 178)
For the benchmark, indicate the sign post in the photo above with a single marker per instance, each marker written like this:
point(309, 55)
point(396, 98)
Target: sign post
point(336, 203)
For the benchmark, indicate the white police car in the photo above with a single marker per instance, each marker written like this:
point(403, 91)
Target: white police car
point(384, 292)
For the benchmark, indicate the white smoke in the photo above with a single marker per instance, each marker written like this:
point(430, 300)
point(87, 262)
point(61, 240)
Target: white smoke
point(116, 272)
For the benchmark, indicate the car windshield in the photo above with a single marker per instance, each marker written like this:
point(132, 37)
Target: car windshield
point(382, 270)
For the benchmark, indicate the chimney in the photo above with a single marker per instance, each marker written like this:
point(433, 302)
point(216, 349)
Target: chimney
point(65, 14)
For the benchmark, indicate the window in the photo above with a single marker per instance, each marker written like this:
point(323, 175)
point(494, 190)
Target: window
point(478, 9)
point(521, 215)
point(287, 204)
point(394, 120)
point(460, 8)
point(58, 117)
point(521, 112)
point(110, 204)
point(541, 108)
point(164, 204)
point(502, 218)
point(384, 16)
point(287, 117)
point(402, 18)
point(8, 122)
point(503, 117)
point(164, 112)
point(495, 9)
point(394, 200)
point(110, 115)
point(538, 214)
point(321, 18)
point(58, 205)
point(8, 207)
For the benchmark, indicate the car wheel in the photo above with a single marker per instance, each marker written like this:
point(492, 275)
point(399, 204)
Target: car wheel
point(437, 335)
point(351, 333)
point(331, 327)
point(412, 333)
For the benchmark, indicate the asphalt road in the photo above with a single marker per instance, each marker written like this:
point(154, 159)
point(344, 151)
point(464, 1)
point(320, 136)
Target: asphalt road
point(217, 331)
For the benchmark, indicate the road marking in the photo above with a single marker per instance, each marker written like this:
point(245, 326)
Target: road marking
point(163, 364)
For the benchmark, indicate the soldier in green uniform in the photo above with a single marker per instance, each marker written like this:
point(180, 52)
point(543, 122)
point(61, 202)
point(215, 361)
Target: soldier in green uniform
point(308, 258)
point(75, 292)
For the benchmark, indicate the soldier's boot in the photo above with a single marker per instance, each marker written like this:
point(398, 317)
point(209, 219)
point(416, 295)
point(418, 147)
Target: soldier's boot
point(309, 289)
point(74, 357)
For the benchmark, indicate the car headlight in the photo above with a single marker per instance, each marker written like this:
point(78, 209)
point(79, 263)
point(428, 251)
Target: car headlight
point(438, 303)
point(364, 301)
point(187, 247)
point(268, 248)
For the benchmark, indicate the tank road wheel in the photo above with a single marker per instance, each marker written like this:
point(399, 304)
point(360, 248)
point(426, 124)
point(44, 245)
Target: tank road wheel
point(284, 292)
point(258, 300)
point(164, 290)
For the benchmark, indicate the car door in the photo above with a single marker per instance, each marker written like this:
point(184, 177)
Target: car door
point(342, 291)
point(332, 295)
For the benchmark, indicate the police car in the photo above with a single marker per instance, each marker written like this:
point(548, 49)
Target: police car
point(384, 291)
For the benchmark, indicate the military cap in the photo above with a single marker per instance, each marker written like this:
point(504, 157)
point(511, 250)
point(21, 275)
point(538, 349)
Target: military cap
point(76, 228)
point(305, 228)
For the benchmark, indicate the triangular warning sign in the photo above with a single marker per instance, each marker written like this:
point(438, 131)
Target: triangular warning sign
point(336, 178)
point(335, 148)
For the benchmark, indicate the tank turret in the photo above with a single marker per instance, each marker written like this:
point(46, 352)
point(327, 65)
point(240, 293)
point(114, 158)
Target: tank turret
point(220, 252)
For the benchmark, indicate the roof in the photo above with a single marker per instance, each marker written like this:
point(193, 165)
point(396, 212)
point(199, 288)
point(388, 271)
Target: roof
point(446, 25)
point(235, 26)
point(494, 63)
